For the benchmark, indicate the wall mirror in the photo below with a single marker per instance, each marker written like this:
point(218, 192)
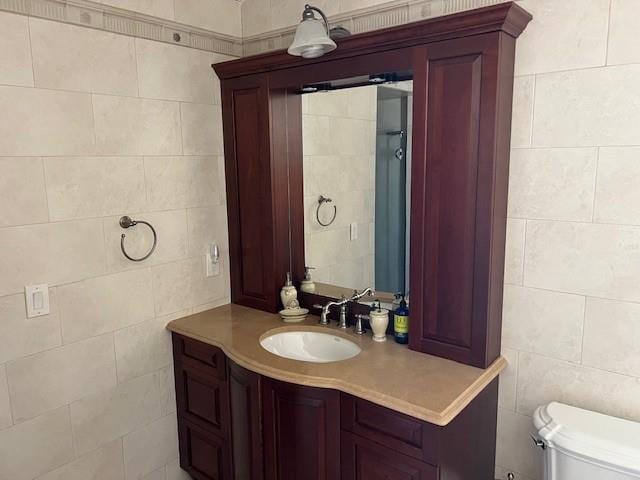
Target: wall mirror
point(356, 144)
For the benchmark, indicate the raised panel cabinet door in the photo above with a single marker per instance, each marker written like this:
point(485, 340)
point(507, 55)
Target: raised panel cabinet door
point(246, 423)
point(245, 109)
point(202, 395)
point(203, 455)
point(301, 431)
point(462, 97)
point(366, 460)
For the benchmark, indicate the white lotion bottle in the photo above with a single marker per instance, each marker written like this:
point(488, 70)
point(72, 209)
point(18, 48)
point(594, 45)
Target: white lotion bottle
point(379, 321)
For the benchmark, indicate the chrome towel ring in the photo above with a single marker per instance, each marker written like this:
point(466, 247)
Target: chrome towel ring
point(322, 200)
point(126, 222)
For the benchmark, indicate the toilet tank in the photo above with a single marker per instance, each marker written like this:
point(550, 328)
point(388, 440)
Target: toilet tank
point(584, 445)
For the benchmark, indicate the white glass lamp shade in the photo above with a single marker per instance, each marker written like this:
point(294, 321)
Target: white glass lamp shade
point(311, 40)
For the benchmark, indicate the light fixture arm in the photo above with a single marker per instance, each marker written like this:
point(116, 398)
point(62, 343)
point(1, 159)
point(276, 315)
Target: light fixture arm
point(308, 13)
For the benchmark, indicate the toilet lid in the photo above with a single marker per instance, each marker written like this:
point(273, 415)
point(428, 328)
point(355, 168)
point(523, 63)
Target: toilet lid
point(597, 437)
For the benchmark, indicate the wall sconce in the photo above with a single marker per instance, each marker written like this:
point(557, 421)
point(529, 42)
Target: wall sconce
point(312, 38)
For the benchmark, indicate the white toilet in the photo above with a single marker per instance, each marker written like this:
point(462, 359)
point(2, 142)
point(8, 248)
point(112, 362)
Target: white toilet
point(584, 445)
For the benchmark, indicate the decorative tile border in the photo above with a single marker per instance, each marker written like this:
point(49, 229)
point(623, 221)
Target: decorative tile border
point(110, 19)
point(103, 17)
point(388, 14)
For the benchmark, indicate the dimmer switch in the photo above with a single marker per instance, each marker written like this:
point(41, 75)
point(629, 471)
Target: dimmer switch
point(37, 300)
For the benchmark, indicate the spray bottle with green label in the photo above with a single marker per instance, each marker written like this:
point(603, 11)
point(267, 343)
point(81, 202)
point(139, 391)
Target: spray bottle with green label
point(401, 320)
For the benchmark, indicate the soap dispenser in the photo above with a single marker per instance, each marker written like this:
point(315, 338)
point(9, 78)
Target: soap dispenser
point(401, 320)
point(379, 320)
point(308, 285)
point(289, 294)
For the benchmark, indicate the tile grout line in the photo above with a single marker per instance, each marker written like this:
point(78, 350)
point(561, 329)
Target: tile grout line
point(156, 371)
point(33, 68)
point(524, 249)
point(576, 364)
point(584, 327)
point(533, 109)
point(606, 53)
point(517, 374)
point(135, 53)
point(108, 94)
point(43, 166)
point(595, 188)
point(6, 381)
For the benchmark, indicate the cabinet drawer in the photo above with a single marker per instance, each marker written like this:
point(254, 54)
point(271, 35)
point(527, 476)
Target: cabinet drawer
point(199, 355)
point(204, 455)
point(395, 430)
point(202, 399)
point(362, 459)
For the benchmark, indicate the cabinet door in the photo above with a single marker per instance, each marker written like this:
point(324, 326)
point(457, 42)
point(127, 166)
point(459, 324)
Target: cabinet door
point(246, 423)
point(366, 460)
point(460, 169)
point(256, 168)
point(301, 431)
point(204, 455)
point(246, 143)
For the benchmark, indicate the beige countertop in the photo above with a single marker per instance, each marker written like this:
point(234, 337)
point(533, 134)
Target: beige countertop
point(388, 374)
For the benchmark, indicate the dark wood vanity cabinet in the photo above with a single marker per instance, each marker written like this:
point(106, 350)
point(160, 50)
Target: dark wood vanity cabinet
point(236, 424)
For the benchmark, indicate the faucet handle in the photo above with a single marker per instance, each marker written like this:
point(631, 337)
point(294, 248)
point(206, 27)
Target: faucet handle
point(342, 323)
point(323, 314)
point(359, 329)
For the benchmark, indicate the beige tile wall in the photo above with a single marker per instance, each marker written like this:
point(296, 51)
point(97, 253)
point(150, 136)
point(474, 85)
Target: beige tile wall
point(95, 126)
point(572, 271)
point(339, 145)
point(571, 309)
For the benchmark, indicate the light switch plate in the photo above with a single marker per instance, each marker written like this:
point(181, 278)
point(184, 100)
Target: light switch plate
point(37, 300)
point(353, 231)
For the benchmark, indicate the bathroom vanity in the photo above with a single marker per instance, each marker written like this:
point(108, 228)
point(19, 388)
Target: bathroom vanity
point(387, 413)
point(302, 177)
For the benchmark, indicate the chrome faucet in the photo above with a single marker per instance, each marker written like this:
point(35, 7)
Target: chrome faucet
point(357, 296)
point(324, 315)
point(342, 323)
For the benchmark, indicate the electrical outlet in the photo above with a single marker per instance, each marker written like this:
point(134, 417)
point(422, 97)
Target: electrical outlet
point(212, 267)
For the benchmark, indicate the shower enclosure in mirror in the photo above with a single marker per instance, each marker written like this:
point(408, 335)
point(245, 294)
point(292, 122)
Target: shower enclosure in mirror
point(356, 171)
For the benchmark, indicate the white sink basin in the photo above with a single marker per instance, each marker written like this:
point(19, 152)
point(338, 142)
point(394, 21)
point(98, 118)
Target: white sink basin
point(310, 346)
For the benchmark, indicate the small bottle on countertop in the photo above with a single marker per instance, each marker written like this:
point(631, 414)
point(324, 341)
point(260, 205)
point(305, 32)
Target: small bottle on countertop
point(308, 285)
point(401, 320)
point(379, 320)
point(289, 294)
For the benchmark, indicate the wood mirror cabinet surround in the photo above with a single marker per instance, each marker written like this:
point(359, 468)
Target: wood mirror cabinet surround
point(462, 69)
